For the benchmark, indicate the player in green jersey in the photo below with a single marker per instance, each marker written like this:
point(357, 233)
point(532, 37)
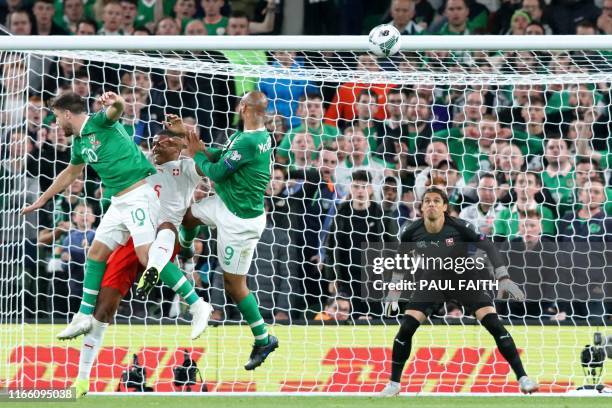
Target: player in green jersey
point(100, 141)
point(241, 172)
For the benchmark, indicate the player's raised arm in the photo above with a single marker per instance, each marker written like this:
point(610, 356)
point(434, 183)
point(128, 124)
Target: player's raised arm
point(63, 180)
point(114, 105)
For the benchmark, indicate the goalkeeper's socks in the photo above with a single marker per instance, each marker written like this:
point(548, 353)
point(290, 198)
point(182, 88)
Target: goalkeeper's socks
point(161, 249)
point(504, 342)
point(89, 350)
point(94, 272)
point(172, 276)
point(250, 311)
point(187, 235)
point(401, 347)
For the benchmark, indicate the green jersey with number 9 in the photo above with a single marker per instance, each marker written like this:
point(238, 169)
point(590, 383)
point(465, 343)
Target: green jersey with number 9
point(109, 150)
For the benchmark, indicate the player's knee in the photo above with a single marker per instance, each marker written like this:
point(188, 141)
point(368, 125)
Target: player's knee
point(494, 326)
point(235, 285)
point(408, 327)
point(167, 226)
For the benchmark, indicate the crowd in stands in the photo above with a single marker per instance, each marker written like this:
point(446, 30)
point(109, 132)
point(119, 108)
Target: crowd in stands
point(526, 164)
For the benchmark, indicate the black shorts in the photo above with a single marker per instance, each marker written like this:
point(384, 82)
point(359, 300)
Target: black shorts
point(428, 308)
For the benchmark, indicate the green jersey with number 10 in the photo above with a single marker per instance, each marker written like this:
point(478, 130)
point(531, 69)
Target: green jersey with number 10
point(107, 148)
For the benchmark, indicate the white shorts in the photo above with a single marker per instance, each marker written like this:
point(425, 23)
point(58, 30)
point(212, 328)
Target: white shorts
point(133, 214)
point(236, 237)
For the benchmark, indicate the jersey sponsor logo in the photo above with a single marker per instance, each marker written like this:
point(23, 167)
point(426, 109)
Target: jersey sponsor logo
point(421, 244)
point(264, 147)
point(235, 155)
point(95, 143)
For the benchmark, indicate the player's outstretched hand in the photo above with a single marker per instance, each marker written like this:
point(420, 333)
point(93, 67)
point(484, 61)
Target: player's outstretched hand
point(175, 125)
point(39, 203)
point(194, 144)
point(109, 98)
point(507, 288)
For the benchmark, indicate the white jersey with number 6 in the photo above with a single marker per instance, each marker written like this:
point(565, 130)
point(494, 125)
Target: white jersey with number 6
point(175, 183)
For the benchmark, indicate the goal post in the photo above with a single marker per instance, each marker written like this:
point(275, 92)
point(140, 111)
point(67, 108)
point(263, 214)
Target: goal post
point(446, 111)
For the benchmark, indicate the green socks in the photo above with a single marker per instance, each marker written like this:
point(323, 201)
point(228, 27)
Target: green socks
point(94, 271)
point(187, 235)
point(250, 311)
point(172, 276)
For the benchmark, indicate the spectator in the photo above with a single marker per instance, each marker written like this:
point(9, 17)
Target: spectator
point(446, 177)
point(74, 11)
point(343, 104)
point(358, 221)
point(535, 28)
point(564, 15)
point(395, 212)
point(586, 169)
point(527, 189)
point(19, 22)
point(36, 116)
point(586, 27)
point(54, 154)
point(519, 22)
point(366, 108)
point(74, 247)
point(58, 224)
point(337, 309)
point(195, 27)
point(112, 19)
point(214, 21)
point(394, 130)
point(507, 164)
point(184, 11)
point(284, 94)
point(9, 6)
point(129, 14)
point(436, 152)
point(538, 13)
point(403, 13)
point(457, 14)
point(302, 151)
point(43, 11)
point(558, 175)
point(604, 21)
point(530, 135)
point(86, 27)
point(360, 157)
point(313, 195)
point(278, 129)
point(482, 214)
point(167, 26)
point(132, 116)
point(583, 232)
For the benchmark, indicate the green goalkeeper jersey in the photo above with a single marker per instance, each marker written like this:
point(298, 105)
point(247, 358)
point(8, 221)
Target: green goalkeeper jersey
point(241, 171)
point(107, 148)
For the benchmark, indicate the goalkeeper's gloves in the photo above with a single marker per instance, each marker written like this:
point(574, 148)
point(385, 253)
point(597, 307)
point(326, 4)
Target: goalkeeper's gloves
point(507, 288)
point(391, 308)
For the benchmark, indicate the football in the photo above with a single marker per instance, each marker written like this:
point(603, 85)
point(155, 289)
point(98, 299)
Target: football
point(384, 40)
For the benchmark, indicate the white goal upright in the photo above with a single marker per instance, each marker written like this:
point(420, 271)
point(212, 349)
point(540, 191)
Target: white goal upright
point(532, 113)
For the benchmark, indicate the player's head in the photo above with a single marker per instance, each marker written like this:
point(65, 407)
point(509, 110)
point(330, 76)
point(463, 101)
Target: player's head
point(434, 203)
point(166, 147)
point(69, 109)
point(253, 105)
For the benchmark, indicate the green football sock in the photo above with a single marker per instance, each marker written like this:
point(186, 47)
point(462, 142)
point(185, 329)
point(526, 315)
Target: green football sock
point(94, 271)
point(250, 311)
point(172, 276)
point(187, 235)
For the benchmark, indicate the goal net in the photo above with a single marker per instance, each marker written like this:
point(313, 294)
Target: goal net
point(519, 139)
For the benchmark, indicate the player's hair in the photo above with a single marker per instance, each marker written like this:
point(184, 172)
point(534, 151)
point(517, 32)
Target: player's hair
point(361, 175)
point(165, 132)
point(71, 102)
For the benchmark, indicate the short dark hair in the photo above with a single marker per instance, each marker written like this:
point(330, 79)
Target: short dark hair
point(370, 92)
point(587, 24)
point(51, 2)
point(88, 22)
point(71, 102)
point(588, 160)
point(448, 163)
point(530, 214)
point(134, 2)
point(361, 175)
point(536, 175)
point(311, 95)
point(239, 14)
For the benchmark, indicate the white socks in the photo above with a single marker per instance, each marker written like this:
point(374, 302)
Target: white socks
point(161, 249)
point(89, 350)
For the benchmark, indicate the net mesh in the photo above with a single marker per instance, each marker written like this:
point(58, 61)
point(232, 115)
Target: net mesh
point(538, 122)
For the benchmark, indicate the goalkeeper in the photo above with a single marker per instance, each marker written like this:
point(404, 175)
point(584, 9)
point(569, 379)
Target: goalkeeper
point(438, 233)
point(241, 173)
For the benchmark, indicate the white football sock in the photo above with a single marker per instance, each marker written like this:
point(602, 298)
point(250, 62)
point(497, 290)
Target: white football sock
point(89, 350)
point(161, 249)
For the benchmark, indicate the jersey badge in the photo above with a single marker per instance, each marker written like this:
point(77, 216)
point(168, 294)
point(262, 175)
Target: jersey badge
point(94, 142)
point(176, 172)
point(235, 156)
point(450, 241)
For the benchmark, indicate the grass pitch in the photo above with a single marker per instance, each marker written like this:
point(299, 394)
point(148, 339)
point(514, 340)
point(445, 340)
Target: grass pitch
point(326, 402)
